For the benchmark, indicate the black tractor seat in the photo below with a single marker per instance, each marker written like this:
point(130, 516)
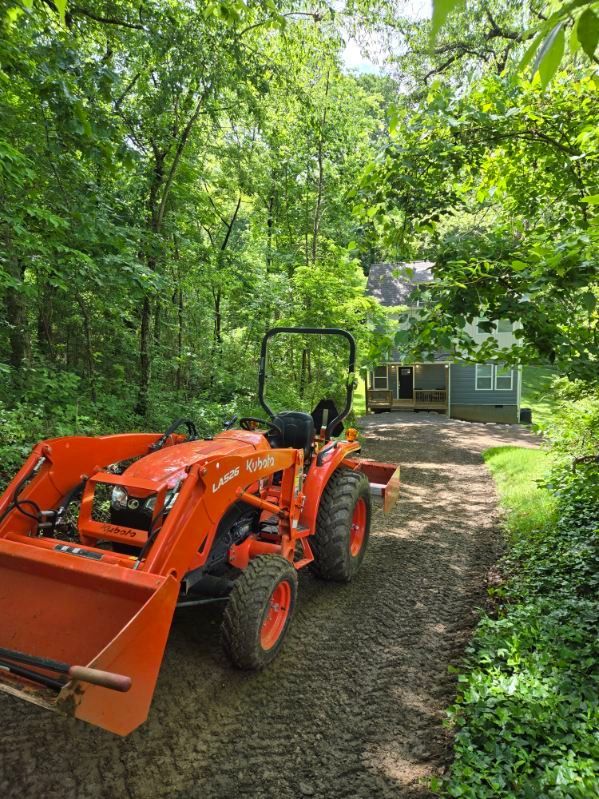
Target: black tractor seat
point(297, 431)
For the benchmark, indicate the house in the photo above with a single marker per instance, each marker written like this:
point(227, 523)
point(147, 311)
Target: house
point(485, 392)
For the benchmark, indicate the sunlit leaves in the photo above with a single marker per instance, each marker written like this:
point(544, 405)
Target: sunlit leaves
point(61, 7)
point(441, 10)
point(550, 54)
point(548, 43)
point(587, 31)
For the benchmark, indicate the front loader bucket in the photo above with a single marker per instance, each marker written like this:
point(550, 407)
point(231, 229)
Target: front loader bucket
point(80, 611)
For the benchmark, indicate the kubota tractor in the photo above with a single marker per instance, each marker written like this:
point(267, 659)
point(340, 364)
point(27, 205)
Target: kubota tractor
point(102, 538)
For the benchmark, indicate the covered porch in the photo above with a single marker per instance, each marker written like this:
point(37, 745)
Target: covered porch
point(416, 387)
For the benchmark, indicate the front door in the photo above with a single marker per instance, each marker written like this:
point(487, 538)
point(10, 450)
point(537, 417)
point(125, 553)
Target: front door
point(406, 382)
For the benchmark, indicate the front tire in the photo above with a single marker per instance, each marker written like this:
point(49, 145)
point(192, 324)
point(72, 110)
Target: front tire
point(342, 526)
point(259, 612)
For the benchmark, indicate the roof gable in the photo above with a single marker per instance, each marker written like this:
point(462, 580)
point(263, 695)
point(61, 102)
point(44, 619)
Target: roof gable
point(392, 283)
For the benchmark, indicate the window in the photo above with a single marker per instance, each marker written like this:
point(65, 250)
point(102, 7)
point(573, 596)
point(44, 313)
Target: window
point(489, 376)
point(503, 378)
point(479, 328)
point(504, 326)
point(484, 376)
point(379, 379)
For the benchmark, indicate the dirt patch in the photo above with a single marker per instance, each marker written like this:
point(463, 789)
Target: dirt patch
point(354, 705)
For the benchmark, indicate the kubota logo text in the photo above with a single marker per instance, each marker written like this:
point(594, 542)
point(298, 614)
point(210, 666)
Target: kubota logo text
point(225, 479)
point(254, 464)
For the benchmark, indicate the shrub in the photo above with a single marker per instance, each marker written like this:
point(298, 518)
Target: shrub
point(527, 710)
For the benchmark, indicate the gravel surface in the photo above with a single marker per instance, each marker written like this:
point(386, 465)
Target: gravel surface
point(353, 707)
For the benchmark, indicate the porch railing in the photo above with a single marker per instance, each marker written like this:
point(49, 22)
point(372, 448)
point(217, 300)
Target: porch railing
point(379, 398)
point(430, 397)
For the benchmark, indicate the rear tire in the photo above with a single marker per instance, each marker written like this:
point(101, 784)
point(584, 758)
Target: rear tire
point(342, 526)
point(259, 611)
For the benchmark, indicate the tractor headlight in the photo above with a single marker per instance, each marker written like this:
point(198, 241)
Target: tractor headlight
point(169, 499)
point(119, 498)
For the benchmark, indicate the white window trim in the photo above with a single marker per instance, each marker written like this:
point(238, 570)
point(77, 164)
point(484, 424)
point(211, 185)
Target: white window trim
point(380, 377)
point(493, 386)
point(491, 376)
point(497, 388)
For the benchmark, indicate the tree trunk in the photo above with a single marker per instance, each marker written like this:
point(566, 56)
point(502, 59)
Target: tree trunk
point(89, 354)
point(16, 316)
point(178, 298)
point(141, 407)
point(270, 221)
point(157, 321)
point(217, 318)
point(320, 179)
point(304, 371)
point(179, 377)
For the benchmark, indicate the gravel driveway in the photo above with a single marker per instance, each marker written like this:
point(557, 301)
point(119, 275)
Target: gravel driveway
point(354, 705)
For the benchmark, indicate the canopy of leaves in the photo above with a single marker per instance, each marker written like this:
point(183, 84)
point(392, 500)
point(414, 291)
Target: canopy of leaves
point(494, 178)
point(174, 180)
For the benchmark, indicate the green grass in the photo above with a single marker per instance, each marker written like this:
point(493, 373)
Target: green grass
point(359, 403)
point(538, 394)
point(517, 471)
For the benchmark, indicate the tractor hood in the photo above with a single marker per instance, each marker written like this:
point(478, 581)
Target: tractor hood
point(170, 463)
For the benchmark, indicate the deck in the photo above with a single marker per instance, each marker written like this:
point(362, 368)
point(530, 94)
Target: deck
point(422, 400)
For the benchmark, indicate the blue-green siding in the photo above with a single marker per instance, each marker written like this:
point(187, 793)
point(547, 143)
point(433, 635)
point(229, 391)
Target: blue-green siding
point(430, 376)
point(463, 388)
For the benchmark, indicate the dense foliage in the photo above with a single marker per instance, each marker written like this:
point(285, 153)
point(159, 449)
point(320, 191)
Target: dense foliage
point(493, 175)
point(173, 181)
point(527, 710)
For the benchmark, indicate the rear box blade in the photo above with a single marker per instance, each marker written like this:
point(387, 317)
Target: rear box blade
point(383, 479)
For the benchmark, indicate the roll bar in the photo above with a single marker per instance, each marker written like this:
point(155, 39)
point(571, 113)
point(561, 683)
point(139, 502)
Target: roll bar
point(318, 331)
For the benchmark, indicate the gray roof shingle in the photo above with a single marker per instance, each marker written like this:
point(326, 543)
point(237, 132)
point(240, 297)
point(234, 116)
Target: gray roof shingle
point(392, 283)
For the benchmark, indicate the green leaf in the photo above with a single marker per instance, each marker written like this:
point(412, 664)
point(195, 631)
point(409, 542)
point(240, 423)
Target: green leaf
point(588, 31)
point(61, 7)
point(549, 56)
point(528, 55)
point(592, 199)
point(589, 301)
point(441, 10)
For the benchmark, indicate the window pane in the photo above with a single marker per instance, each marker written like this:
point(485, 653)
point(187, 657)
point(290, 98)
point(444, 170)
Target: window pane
point(504, 326)
point(503, 378)
point(380, 377)
point(484, 376)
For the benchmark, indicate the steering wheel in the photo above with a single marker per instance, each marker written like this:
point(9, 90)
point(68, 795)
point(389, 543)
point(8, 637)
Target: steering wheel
point(246, 421)
point(192, 433)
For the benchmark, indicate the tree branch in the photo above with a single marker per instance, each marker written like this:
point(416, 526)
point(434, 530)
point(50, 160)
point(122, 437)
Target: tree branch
point(230, 225)
point(121, 23)
point(316, 16)
point(178, 153)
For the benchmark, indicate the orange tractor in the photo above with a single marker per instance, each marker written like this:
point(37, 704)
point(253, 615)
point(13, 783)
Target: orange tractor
point(101, 539)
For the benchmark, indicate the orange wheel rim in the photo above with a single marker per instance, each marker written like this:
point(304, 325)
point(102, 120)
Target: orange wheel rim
point(276, 615)
point(357, 531)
